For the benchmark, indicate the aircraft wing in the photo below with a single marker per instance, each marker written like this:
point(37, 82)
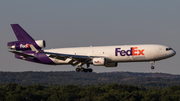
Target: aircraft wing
point(75, 59)
point(61, 56)
point(68, 55)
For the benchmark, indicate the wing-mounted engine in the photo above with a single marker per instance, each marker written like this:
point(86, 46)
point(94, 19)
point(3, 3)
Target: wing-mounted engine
point(111, 64)
point(99, 61)
point(103, 62)
point(22, 45)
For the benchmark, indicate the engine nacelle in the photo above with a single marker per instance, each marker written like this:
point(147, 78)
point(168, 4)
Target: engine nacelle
point(99, 61)
point(111, 64)
point(21, 45)
point(41, 43)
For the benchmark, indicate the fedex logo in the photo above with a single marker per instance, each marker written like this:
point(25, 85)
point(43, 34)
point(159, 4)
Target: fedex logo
point(134, 51)
point(97, 61)
point(24, 46)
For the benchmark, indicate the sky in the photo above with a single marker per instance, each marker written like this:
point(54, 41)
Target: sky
point(81, 23)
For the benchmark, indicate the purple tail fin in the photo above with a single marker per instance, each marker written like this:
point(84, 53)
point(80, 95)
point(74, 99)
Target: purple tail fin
point(21, 34)
point(24, 39)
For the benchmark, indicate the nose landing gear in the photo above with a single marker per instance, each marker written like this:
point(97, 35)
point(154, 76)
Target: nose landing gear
point(152, 67)
point(152, 63)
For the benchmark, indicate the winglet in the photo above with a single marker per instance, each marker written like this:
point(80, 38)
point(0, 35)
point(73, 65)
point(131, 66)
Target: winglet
point(33, 48)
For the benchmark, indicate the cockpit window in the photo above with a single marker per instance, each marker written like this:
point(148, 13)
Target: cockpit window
point(168, 49)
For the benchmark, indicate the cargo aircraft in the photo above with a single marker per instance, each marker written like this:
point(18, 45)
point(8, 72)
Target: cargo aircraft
point(26, 48)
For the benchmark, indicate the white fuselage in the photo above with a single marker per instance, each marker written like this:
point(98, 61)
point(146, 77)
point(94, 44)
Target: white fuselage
point(126, 53)
point(107, 56)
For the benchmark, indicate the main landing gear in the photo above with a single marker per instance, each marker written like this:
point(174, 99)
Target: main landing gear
point(152, 63)
point(80, 68)
point(84, 70)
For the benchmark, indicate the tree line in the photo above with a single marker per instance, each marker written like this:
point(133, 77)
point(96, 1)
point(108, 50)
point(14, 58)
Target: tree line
point(74, 78)
point(99, 92)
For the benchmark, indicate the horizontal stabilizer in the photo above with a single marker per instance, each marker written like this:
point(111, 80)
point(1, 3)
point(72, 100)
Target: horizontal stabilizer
point(22, 54)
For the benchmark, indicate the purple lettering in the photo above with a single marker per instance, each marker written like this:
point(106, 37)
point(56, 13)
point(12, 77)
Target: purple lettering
point(123, 53)
point(116, 51)
point(129, 52)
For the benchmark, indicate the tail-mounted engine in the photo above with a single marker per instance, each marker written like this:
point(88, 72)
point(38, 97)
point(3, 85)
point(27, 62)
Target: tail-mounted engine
point(22, 46)
point(41, 43)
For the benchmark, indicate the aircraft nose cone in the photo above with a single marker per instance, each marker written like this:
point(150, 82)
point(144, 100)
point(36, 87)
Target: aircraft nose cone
point(174, 53)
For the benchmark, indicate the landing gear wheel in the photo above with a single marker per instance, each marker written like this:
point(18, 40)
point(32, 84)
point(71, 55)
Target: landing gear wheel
point(90, 70)
point(152, 67)
point(85, 70)
point(78, 69)
point(82, 69)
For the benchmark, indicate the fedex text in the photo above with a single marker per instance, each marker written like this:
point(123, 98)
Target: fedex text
point(24, 46)
point(97, 61)
point(133, 51)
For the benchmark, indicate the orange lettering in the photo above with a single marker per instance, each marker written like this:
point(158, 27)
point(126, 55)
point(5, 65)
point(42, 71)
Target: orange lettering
point(134, 51)
point(28, 46)
point(141, 52)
